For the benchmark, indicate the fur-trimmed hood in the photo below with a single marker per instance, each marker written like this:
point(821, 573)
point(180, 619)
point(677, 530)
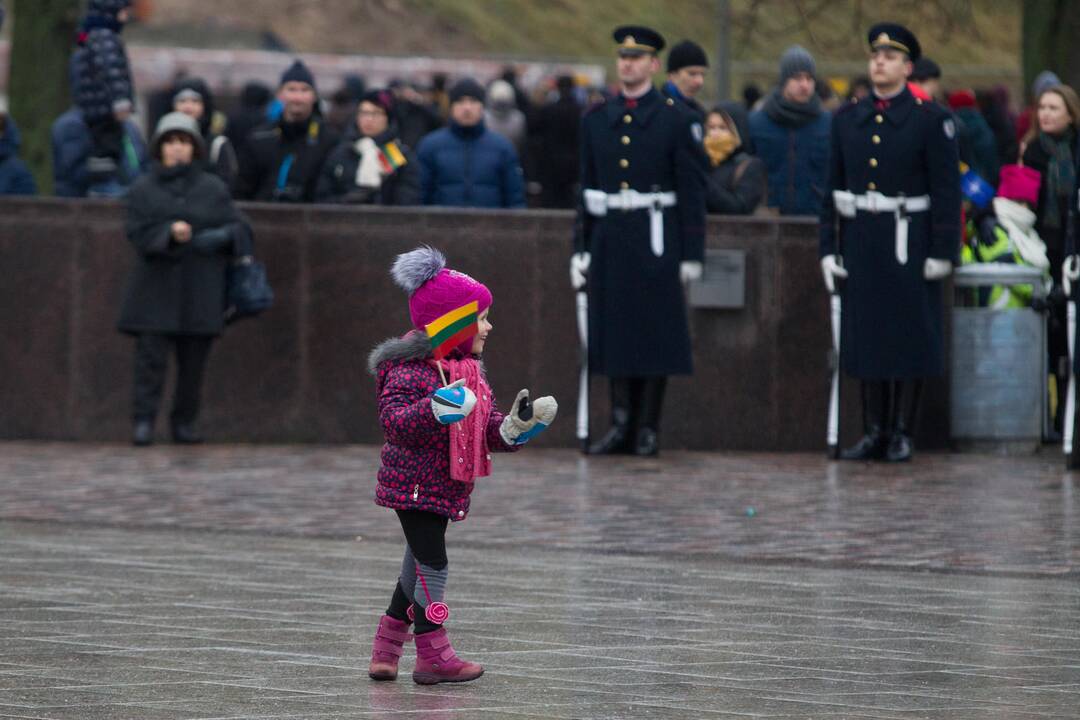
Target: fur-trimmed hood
point(414, 345)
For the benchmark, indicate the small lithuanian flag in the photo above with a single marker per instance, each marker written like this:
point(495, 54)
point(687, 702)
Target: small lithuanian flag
point(391, 157)
point(452, 329)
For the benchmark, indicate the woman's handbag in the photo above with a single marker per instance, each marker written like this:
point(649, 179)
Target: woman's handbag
point(247, 289)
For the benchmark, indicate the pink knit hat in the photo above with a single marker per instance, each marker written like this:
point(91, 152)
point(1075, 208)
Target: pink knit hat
point(434, 289)
point(1019, 183)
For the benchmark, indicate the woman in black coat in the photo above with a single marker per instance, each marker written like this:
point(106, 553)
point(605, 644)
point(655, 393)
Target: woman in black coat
point(372, 166)
point(183, 225)
point(735, 184)
point(1050, 147)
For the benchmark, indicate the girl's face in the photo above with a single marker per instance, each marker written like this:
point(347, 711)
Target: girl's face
point(715, 126)
point(481, 337)
point(1053, 114)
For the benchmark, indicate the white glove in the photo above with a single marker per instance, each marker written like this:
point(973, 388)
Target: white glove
point(690, 270)
point(579, 269)
point(830, 270)
point(935, 269)
point(526, 420)
point(1070, 273)
point(453, 402)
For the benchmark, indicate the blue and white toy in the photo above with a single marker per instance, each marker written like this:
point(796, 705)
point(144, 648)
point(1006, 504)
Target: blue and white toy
point(453, 402)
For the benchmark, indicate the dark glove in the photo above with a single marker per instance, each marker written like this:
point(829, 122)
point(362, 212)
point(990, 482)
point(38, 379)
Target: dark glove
point(213, 240)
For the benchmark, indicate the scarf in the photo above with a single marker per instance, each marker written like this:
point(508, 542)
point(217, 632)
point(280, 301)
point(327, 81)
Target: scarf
point(468, 438)
point(369, 171)
point(1060, 175)
point(1019, 222)
point(719, 148)
point(792, 114)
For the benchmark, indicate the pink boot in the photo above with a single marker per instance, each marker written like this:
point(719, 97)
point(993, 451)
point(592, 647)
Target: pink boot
point(436, 661)
point(386, 649)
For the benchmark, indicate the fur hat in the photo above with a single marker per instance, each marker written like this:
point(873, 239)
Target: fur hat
point(434, 289)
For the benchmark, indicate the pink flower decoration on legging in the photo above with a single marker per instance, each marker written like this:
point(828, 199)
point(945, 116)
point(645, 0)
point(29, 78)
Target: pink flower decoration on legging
point(437, 613)
point(411, 613)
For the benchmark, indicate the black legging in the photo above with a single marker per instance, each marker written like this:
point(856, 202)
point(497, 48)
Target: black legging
point(425, 534)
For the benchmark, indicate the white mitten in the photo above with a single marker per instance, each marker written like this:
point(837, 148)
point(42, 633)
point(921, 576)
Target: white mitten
point(527, 420)
point(690, 270)
point(831, 269)
point(579, 269)
point(452, 402)
point(936, 269)
point(1070, 273)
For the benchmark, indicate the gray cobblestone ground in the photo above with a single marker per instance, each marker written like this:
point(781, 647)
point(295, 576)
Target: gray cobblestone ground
point(244, 582)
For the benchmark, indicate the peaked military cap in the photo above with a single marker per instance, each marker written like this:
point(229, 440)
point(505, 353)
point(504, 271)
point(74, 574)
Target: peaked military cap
point(638, 40)
point(898, 37)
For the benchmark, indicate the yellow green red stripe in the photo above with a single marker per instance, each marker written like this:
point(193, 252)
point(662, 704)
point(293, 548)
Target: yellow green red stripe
point(452, 329)
point(394, 155)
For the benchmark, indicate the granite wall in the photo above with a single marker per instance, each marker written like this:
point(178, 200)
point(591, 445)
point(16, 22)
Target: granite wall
point(298, 373)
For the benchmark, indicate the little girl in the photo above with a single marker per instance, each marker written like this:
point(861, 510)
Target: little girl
point(438, 439)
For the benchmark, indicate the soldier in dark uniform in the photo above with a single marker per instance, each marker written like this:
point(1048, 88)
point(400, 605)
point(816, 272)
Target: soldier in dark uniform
point(894, 191)
point(639, 236)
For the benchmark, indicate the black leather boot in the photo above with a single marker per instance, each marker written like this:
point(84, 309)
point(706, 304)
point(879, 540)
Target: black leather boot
point(142, 432)
point(185, 434)
point(900, 445)
point(871, 446)
point(617, 440)
point(647, 442)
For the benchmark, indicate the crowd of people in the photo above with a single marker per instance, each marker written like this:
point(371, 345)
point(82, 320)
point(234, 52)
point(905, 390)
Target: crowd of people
point(461, 143)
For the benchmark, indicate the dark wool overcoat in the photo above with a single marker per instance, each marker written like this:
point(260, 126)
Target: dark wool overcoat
point(637, 312)
point(179, 288)
point(892, 316)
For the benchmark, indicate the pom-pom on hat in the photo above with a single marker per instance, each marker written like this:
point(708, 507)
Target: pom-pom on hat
point(434, 289)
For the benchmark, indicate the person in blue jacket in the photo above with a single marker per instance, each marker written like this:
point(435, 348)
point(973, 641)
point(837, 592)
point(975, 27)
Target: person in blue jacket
point(15, 177)
point(791, 134)
point(465, 164)
point(75, 170)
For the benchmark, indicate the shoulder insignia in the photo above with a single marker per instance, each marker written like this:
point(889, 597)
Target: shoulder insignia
point(918, 101)
point(670, 101)
point(949, 127)
point(697, 132)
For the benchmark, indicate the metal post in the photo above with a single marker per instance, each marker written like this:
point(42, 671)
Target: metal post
point(722, 61)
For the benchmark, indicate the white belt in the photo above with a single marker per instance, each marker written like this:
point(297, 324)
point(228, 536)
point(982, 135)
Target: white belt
point(598, 202)
point(848, 204)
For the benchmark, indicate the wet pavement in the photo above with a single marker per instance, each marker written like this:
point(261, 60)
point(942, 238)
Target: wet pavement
point(245, 581)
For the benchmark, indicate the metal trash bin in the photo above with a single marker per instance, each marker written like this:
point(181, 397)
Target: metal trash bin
point(998, 381)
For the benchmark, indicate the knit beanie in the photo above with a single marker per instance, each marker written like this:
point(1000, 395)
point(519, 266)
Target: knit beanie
point(466, 87)
point(298, 72)
point(686, 54)
point(963, 98)
point(434, 289)
point(1019, 183)
point(1043, 82)
point(381, 97)
point(107, 7)
point(796, 59)
point(177, 122)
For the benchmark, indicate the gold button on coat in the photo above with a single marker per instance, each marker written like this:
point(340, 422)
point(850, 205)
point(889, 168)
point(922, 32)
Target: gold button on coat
point(879, 119)
point(871, 186)
point(876, 139)
point(873, 162)
point(624, 163)
point(625, 139)
point(624, 185)
point(627, 119)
